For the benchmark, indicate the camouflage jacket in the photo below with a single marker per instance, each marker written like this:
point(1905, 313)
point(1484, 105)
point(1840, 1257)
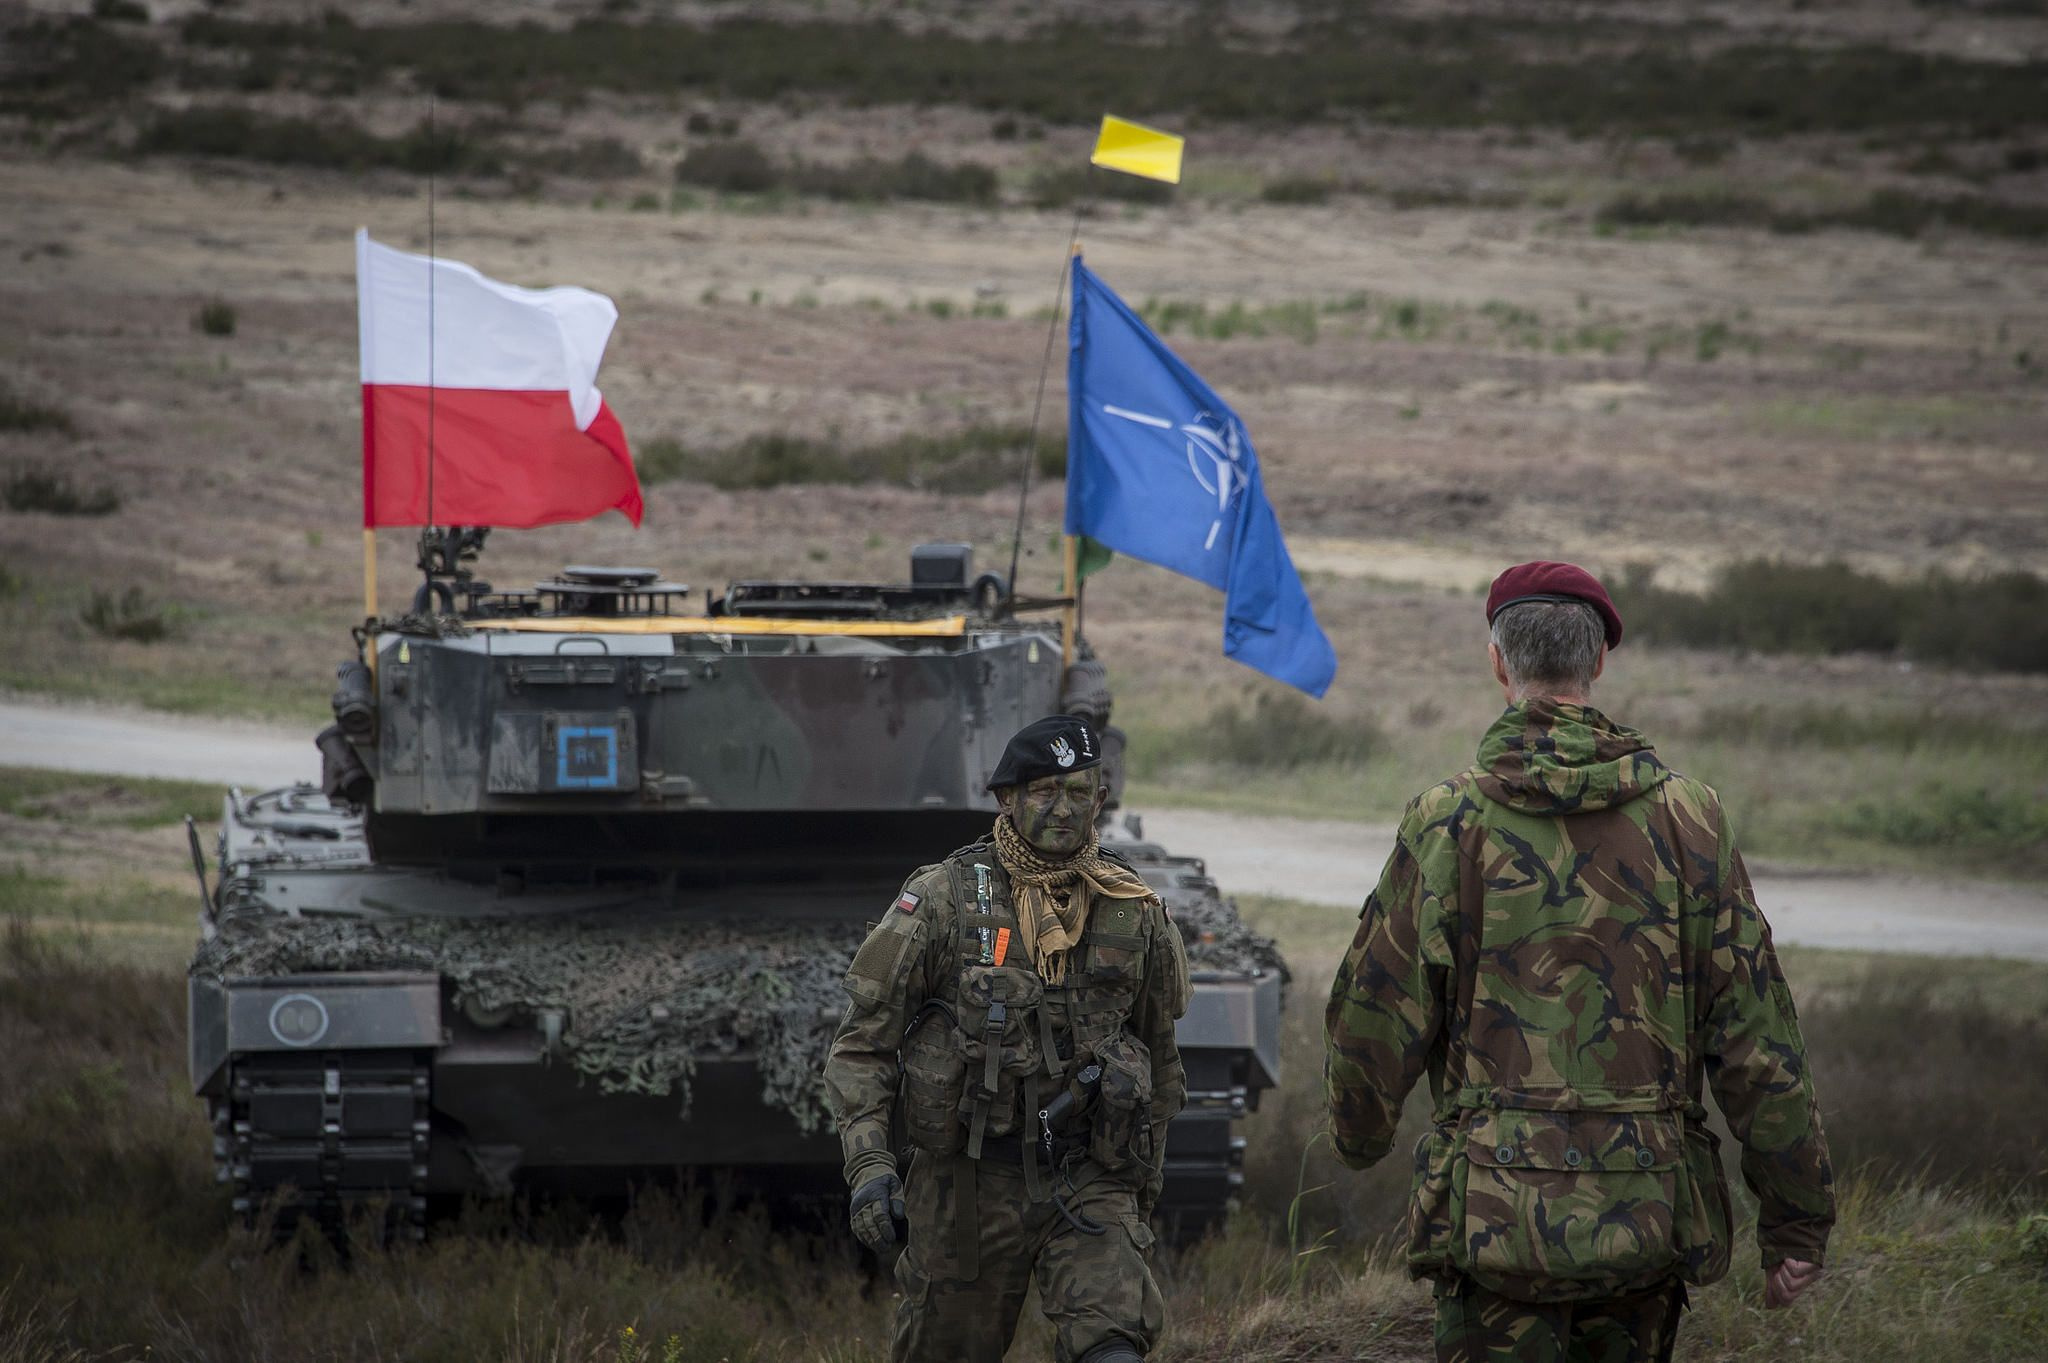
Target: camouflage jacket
point(949, 1016)
point(1566, 941)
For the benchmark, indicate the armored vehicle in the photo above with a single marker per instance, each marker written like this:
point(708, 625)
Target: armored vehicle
point(573, 903)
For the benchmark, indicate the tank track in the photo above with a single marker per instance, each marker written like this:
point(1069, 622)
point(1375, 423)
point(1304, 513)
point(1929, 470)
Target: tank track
point(1204, 1155)
point(322, 1135)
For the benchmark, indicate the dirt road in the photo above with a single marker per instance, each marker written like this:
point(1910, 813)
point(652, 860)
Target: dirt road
point(1321, 861)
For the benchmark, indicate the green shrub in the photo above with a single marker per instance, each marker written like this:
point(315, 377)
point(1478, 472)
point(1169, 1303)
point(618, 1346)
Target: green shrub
point(915, 176)
point(1297, 189)
point(121, 11)
point(1950, 817)
point(1405, 197)
point(1063, 186)
point(733, 166)
point(1282, 731)
point(701, 124)
point(60, 69)
point(329, 143)
point(1846, 728)
point(216, 317)
point(1297, 318)
point(1894, 212)
point(131, 615)
point(1766, 606)
point(1711, 208)
point(971, 459)
point(45, 490)
point(660, 460)
point(19, 413)
point(592, 158)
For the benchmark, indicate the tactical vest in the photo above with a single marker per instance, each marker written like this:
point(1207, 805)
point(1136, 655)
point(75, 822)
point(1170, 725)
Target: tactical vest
point(994, 1044)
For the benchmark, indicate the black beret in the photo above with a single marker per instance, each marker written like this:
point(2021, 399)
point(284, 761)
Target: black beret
point(1052, 746)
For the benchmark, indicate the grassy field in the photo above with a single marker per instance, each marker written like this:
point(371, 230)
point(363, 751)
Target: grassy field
point(120, 1246)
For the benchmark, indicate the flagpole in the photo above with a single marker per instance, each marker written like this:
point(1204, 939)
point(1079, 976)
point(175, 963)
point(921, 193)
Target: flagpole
point(1071, 612)
point(369, 573)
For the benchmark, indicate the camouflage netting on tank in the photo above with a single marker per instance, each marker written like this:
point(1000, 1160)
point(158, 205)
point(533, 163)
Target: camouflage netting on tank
point(1219, 940)
point(643, 1000)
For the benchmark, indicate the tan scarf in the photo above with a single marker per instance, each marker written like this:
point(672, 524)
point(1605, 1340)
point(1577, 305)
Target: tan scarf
point(1050, 913)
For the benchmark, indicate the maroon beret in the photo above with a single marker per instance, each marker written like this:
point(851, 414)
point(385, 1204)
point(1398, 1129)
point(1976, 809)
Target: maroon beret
point(1547, 581)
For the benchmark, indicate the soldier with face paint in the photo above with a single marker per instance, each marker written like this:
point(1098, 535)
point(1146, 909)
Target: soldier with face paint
point(1015, 1009)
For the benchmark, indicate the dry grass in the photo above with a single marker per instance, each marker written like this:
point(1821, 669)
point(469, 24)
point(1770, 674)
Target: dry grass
point(120, 1245)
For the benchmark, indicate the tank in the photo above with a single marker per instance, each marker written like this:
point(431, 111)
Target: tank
point(572, 903)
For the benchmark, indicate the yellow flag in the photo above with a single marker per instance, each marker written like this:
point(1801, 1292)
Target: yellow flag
point(1136, 149)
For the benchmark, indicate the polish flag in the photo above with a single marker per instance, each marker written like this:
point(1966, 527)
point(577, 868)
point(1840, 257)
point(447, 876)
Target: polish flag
point(480, 401)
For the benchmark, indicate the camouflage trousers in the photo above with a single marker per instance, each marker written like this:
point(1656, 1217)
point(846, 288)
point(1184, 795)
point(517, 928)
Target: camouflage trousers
point(1477, 1326)
point(1092, 1288)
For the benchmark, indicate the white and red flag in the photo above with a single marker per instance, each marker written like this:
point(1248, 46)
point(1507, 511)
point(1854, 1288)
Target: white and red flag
point(480, 401)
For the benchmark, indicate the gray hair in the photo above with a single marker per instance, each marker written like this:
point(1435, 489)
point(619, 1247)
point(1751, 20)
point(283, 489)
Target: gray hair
point(1549, 647)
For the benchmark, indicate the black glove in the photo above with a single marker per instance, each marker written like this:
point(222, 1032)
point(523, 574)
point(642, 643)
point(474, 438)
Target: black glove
point(877, 1213)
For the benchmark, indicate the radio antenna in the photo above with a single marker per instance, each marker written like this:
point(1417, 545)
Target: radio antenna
point(1052, 331)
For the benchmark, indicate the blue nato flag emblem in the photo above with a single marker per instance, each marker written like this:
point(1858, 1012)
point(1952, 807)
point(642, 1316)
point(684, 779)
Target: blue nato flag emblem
point(1159, 467)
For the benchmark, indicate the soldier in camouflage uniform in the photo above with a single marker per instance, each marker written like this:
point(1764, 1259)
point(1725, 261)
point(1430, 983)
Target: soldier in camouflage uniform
point(1565, 940)
point(1026, 973)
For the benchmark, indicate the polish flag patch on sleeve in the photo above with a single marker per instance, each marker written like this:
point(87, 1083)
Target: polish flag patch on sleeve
point(908, 902)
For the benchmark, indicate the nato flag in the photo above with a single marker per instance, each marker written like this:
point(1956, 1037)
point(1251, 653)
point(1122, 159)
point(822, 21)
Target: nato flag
point(1160, 468)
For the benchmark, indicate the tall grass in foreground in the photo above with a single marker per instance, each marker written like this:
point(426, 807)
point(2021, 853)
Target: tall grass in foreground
point(119, 1246)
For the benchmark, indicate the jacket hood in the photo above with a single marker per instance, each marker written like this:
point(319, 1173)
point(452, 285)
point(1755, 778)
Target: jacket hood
point(1548, 757)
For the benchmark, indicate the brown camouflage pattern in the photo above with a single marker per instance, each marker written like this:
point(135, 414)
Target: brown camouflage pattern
point(1566, 942)
point(1477, 1326)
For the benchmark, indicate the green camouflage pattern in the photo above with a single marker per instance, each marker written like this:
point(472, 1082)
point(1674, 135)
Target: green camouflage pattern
point(921, 1036)
point(1092, 1288)
point(1565, 940)
point(1477, 1326)
point(1132, 982)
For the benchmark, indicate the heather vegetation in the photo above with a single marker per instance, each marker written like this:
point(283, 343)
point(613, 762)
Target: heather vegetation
point(33, 487)
point(327, 143)
point(1896, 212)
point(19, 412)
point(1700, 86)
point(739, 166)
point(1997, 621)
point(970, 459)
point(1581, 74)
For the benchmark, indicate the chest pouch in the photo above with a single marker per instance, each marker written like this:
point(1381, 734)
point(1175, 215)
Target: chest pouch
point(1000, 1048)
point(1103, 989)
point(934, 1076)
point(1554, 1205)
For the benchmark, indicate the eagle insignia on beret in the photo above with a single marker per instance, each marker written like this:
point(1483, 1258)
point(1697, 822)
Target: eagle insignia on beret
point(1063, 752)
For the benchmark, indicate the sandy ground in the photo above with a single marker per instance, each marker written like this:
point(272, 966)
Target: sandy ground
point(1320, 861)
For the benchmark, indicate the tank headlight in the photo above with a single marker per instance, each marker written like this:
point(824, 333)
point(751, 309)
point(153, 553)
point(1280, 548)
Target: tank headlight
point(298, 1020)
